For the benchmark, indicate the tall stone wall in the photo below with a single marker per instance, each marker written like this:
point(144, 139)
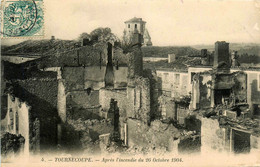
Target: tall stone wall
point(139, 100)
point(253, 90)
point(135, 62)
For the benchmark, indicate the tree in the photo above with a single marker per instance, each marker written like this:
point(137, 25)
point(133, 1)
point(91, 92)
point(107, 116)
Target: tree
point(103, 35)
point(83, 36)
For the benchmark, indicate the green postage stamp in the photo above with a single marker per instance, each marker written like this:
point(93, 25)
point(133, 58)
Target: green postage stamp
point(22, 18)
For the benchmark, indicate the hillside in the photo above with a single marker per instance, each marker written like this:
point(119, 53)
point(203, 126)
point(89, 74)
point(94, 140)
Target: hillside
point(157, 51)
point(52, 46)
point(40, 46)
point(242, 48)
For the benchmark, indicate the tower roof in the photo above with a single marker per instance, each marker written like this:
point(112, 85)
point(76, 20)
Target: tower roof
point(135, 20)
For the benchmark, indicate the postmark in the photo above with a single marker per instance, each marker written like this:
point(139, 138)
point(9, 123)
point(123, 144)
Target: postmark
point(22, 18)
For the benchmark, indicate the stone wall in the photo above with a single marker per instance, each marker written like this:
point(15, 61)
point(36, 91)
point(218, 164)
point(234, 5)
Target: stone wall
point(139, 100)
point(168, 108)
point(240, 87)
point(41, 94)
point(120, 75)
point(105, 96)
point(94, 77)
point(83, 104)
point(213, 137)
point(73, 77)
point(253, 89)
point(17, 119)
point(135, 62)
point(205, 86)
point(255, 145)
point(61, 99)
point(95, 55)
point(80, 78)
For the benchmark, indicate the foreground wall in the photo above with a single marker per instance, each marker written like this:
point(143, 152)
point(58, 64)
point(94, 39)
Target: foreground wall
point(17, 119)
point(213, 137)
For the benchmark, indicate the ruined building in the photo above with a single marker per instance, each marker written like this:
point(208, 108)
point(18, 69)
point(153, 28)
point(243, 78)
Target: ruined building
point(223, 96)
point(89, 97)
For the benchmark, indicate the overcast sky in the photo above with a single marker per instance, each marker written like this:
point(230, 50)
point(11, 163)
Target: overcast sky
point(169, 22)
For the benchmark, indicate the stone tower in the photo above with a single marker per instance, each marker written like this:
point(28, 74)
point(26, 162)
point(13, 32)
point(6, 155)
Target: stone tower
point(137, 25)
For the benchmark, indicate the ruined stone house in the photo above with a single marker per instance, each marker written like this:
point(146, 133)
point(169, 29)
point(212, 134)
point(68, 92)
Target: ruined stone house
point(218, 85)
point(31, 110)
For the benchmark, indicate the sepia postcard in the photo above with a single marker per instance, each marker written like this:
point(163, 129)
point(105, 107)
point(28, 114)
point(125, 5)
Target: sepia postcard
point(130, 83)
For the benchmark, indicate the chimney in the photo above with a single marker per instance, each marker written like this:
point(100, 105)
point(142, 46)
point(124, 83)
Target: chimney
point(171, 58)
point(221, 56)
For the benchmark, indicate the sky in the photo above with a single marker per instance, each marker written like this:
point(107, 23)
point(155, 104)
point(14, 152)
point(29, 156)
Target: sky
point(169, 22)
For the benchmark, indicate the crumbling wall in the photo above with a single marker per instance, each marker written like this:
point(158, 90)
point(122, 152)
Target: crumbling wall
point(17, 119)
point(240, 87)
point(35, 136)
point(83, 104)
point(61, 98)
point(119, 58)
point(41, 95)
point(223, 81)
point(120, 76)
point(205, 90)
point(157, 136)
point(135, 62)
point(84, 99)
point(179, 88)
point(105, 96)
point(182, 113)
point(94, 77)
point(253, 91)
point(85, 55)
point(73, 77)
point(213, 137)
point(139, 100)
point(168, 108)
point(95, 55)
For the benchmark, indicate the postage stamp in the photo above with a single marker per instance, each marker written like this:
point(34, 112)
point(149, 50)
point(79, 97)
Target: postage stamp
point(22, 18)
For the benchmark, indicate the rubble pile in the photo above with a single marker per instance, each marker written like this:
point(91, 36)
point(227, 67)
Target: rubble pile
point(88, 132)
point(11, 144)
